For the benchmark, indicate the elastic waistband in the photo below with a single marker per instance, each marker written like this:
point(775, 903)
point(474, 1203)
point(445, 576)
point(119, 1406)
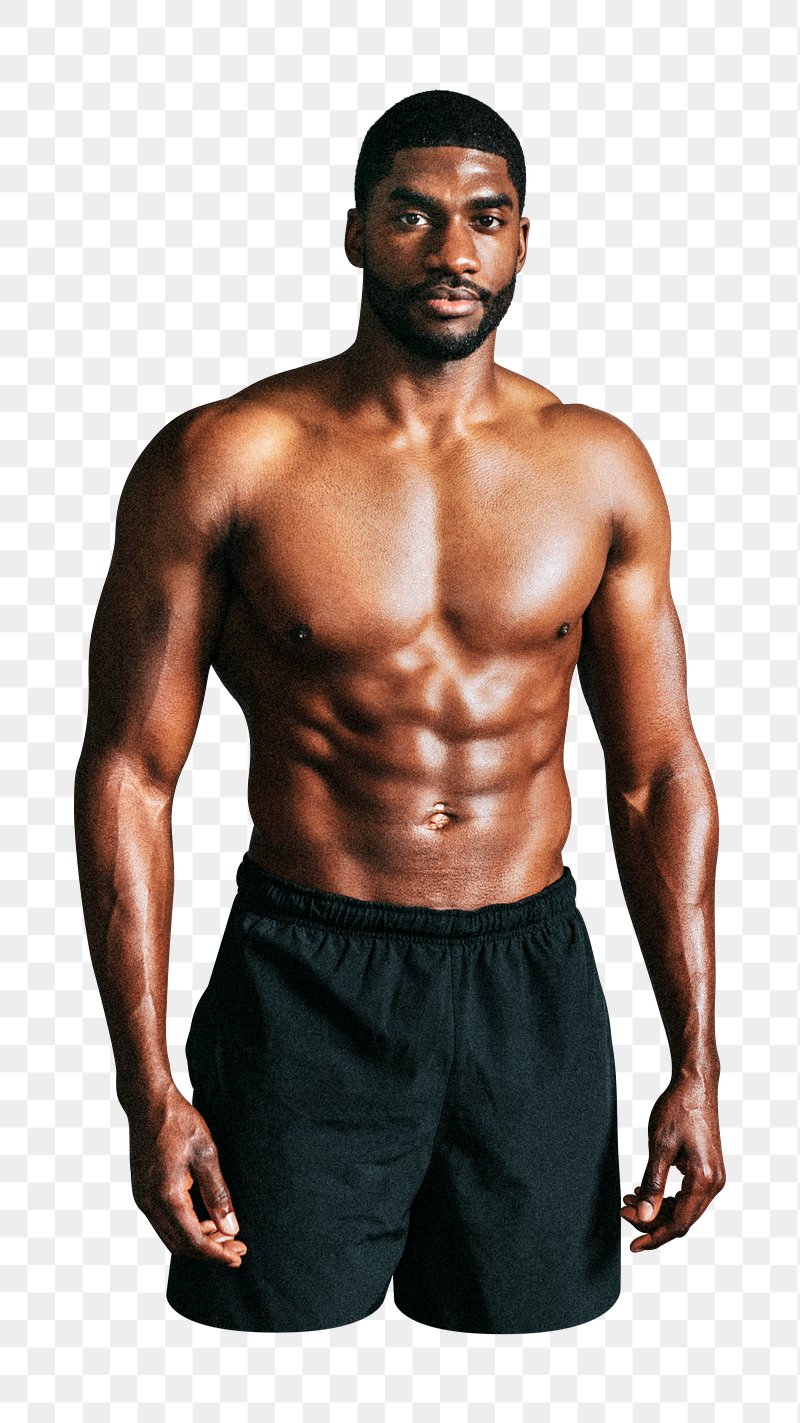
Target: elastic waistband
point(270, 895)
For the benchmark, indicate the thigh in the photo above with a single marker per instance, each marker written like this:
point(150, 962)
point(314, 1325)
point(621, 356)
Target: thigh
point(319, 1061)
point(516, 1227)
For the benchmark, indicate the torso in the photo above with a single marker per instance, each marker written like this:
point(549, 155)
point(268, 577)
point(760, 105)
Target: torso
point(401, 634)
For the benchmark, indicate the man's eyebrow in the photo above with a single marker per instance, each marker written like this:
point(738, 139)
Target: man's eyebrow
point(424, 200)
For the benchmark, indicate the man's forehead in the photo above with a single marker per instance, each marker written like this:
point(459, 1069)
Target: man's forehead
point(446, 162)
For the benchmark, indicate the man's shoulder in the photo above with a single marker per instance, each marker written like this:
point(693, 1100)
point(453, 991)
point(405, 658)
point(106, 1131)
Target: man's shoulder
point(216, 450)
point(610, 463)
point(588, 426)
point(620, 463)
point(606, 435)
point(247, 425)
point(609, 448)
point(199, 470)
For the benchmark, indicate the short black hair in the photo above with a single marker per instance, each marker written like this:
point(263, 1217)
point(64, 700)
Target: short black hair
point(435, 118)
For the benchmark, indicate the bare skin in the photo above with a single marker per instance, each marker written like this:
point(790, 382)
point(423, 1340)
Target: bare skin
point(395, 560)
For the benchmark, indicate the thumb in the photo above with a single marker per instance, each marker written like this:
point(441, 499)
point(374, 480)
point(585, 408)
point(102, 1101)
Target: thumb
point(215, 1193)
point(653, 1188)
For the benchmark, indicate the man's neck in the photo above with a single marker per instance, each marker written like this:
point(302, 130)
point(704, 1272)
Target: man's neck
point(421, 398)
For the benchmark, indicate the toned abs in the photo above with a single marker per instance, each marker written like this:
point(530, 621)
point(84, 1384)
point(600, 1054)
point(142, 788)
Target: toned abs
point(402, 627)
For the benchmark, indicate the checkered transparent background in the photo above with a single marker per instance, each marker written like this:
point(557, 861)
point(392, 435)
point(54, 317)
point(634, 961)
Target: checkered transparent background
point(176, 182)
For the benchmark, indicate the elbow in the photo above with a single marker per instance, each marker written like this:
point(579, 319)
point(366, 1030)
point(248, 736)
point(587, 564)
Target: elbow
point(687, 772)
point(109, 770)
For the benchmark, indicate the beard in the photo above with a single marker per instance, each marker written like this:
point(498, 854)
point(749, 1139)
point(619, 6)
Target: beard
point(393, 308)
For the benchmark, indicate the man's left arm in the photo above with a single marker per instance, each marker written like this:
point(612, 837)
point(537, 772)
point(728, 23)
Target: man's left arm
point(664, 824)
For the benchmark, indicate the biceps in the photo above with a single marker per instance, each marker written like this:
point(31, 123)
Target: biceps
point(632, 670)
point(149, 657)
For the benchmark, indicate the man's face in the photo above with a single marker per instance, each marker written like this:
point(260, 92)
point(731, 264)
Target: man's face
point(440, 222)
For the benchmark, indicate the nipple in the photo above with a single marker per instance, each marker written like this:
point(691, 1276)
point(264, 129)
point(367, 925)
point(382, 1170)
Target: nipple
point(301, 632)
point(563, 630)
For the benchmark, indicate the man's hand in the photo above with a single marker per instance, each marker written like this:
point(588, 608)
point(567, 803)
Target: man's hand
point(683, 1131)
point(171, 1147)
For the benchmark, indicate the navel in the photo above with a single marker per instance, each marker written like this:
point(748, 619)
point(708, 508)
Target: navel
point(439, 817)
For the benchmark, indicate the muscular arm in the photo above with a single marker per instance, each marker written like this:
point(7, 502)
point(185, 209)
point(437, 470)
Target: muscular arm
point(664, 825)
point(157, 621)
point(661, 802)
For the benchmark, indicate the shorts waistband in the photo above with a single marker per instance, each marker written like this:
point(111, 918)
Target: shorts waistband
point(269, 894)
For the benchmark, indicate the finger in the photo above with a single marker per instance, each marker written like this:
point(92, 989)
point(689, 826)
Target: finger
point(187, 1236)
point(181, 1234)
point(654, 1239)
point(208, 1227)
point(213, 1189)
point(678, 1215)
point(654, 1184)
point(172, 1214)
point(628, 1213)
point(628, 1210)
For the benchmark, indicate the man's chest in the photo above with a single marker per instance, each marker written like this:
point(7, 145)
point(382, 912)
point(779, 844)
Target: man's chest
point(493, 548)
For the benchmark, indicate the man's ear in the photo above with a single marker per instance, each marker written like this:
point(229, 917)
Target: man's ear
point(354, 237)
point(524, 230)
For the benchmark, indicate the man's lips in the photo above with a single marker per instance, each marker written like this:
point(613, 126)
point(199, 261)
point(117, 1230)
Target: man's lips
point(450, 301)
point(457, 293)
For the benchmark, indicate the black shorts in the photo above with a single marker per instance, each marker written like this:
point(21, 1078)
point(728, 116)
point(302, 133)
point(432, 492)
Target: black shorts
point(403, 1093)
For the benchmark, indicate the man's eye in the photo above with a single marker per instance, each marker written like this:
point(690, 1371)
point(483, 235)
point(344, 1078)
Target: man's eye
point(485, 217)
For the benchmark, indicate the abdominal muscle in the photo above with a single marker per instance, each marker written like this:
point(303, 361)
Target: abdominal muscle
point(408, 840)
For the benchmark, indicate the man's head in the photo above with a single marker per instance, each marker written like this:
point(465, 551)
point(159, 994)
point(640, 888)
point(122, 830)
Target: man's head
point(439, 190)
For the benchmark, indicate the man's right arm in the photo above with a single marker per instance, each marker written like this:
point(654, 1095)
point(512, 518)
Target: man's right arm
point(158, 619)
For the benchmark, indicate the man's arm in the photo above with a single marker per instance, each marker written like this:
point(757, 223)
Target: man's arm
point(662, 814)
point(159, 616)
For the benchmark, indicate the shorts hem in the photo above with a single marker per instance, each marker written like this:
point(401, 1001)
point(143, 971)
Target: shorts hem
point(570, 1321)
point(198, 1316)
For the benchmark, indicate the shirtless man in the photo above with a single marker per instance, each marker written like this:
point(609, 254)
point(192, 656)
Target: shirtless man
point(394, 560)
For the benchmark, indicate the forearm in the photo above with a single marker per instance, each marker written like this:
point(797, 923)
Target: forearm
point(666, 840)
point(123, 836)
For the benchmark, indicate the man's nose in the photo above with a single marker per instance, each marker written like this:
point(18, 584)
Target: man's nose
point(452, 248)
